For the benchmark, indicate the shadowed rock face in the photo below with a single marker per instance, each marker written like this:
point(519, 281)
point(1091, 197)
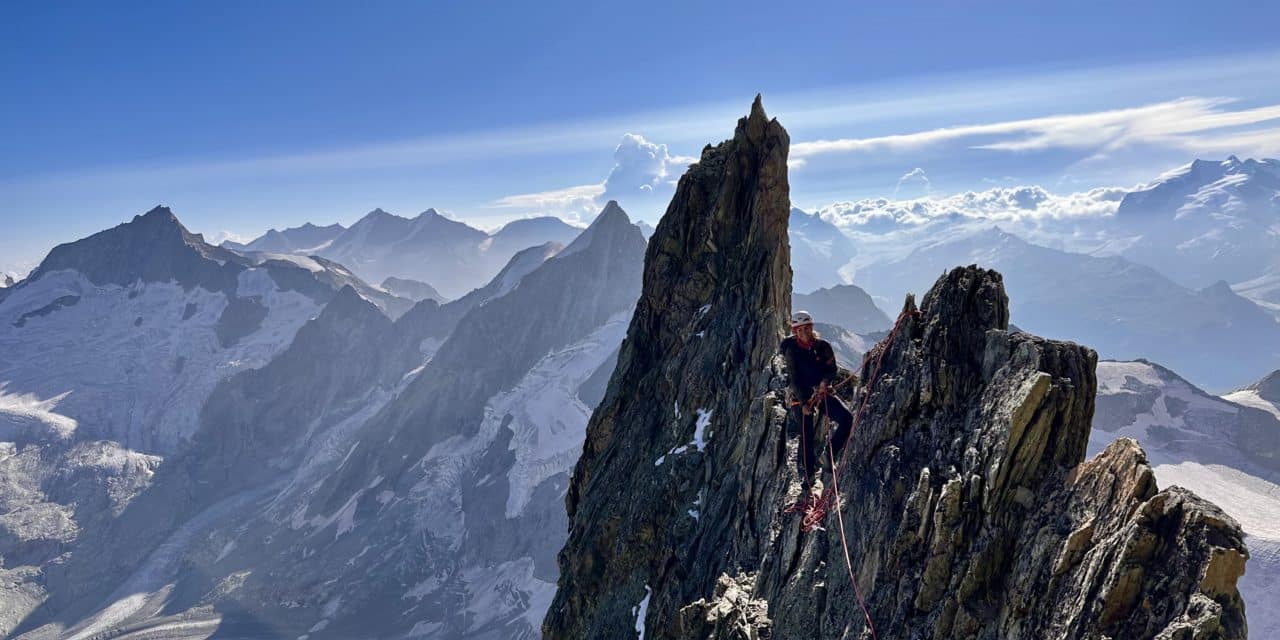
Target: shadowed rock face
point(969, 509)
point(153, 247)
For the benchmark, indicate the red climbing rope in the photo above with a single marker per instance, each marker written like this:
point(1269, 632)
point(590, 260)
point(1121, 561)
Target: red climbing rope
point(816, 511)
point(844, 542)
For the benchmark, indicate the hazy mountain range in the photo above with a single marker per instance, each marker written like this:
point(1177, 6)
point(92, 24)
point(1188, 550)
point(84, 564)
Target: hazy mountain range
point(255, 439)
point(448, 255)
point(158, 469)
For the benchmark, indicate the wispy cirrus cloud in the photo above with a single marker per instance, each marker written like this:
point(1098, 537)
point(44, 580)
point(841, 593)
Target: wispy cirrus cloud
point(642, 180)
point(553, 200)
point(1191, 124)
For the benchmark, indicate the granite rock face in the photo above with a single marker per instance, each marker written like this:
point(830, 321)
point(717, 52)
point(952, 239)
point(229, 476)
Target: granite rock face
point(966, 501)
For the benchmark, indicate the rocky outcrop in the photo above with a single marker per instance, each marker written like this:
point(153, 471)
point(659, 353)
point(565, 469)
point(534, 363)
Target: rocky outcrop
point(966, 502)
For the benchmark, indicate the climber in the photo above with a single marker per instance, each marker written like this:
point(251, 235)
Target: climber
point(812, 365)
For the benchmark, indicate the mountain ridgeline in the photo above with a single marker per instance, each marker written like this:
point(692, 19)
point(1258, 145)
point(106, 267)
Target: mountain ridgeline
point(444, 254)
point(967, 504)
point(261, 444)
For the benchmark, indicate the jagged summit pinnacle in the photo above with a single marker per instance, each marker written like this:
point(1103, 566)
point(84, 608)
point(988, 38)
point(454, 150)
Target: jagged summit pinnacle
point(966, 505)
point(715, 293)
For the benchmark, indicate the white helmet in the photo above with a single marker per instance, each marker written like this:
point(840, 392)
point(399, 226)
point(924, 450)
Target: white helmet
point(801, 318)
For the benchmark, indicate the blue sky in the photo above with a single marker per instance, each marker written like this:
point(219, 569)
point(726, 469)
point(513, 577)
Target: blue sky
point(244, 116)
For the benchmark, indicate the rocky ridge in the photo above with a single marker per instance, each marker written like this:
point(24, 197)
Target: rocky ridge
point(968, 505)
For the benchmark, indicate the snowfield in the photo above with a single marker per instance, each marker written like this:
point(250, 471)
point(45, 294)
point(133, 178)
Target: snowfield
point(132, 364)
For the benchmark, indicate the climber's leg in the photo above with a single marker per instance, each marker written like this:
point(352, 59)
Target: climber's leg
point(806, 452)
point(838, 413)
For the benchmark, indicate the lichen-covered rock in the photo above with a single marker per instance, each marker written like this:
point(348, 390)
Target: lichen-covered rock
point(967, 505)
point(731, 613)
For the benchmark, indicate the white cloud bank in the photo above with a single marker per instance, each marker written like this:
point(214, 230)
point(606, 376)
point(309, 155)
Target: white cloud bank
point(887, 229)
point(1000, 204)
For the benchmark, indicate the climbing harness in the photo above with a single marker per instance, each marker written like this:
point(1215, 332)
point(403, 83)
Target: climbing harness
point(815, 511)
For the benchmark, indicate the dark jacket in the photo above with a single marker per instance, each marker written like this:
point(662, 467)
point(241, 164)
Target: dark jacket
point(808, 367)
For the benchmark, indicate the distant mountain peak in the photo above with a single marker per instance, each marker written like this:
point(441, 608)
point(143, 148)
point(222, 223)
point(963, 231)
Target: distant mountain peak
point(158, 212)
point(1219, 288)
point(1268, 387)
point(610, 224)
point(154, 246)
point(612, 214)
point(378, 215)
point(348, 302)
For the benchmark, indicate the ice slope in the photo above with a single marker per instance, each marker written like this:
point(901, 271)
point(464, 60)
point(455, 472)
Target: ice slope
point(134, 364)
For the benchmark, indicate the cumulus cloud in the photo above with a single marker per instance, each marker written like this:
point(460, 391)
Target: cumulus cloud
point(1000, 204)
point(1189, 124)
point(913, 182)
point(642, 180)
point(219, 237)
point(888, 228)
point(17, 269)
point(642, 171)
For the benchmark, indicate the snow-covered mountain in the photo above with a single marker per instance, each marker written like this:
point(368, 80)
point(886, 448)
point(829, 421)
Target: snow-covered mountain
point(1198, 224)
point(1124, 310)
point(1263, 290)
point(1207, 221)
point(111, 348)
point(818, 251)
point(450, 255)
point(376, 478)
point(1224, 449)
point(1263, 394)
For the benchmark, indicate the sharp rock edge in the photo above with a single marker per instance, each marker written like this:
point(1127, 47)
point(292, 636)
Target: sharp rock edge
point(969, 507)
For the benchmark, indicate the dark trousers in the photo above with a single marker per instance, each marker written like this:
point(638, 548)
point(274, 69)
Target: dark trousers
point(807, 452)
